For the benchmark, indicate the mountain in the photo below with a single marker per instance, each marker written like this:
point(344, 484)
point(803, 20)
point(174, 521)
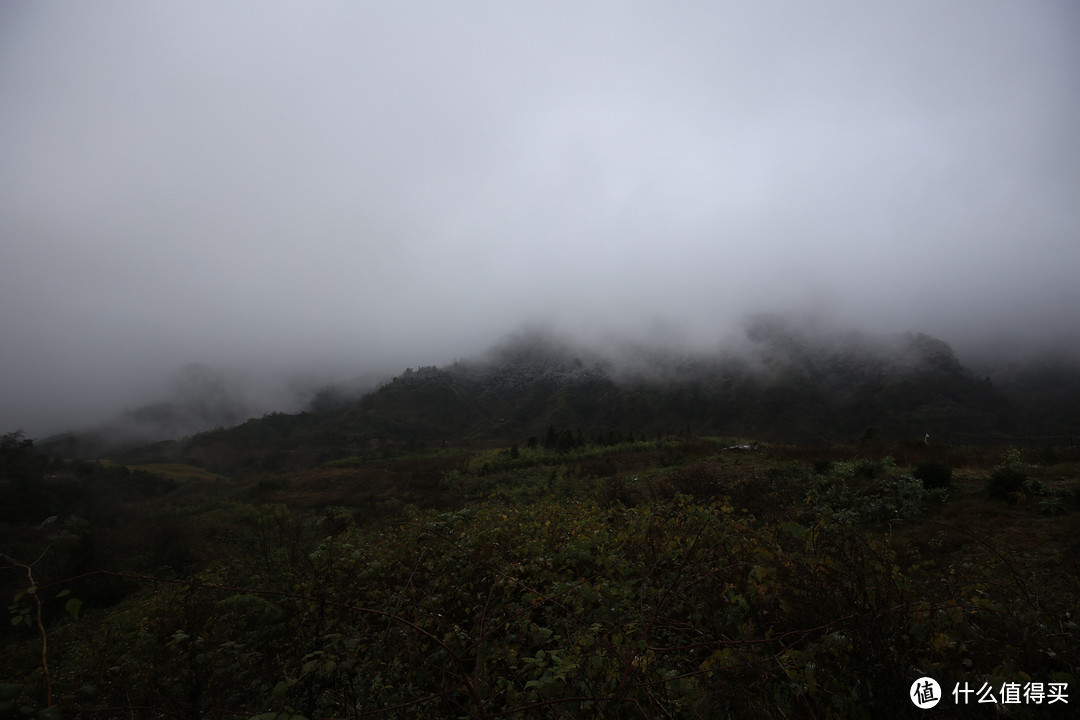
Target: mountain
point(199, 398)
point(785, 383)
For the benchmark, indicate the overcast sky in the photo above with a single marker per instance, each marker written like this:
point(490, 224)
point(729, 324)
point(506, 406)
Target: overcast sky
point(336, 186)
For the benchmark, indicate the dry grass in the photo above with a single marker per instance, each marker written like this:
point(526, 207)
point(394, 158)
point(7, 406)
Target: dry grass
point(180, 472)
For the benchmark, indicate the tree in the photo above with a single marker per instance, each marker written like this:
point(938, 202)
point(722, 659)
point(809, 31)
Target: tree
point(22, 496)
point(551, 438)
point(17, 457)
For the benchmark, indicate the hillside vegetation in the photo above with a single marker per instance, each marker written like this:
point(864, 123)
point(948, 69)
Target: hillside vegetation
point(785, 385)
point(544, 534)
point(679, 577)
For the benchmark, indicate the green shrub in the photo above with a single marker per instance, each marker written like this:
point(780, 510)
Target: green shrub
point(868, 468)
point(934, 474)
point(1006, 482)
point(1053, 504)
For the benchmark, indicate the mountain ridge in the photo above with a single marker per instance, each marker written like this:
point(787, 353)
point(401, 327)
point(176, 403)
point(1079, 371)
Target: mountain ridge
point(783, 384)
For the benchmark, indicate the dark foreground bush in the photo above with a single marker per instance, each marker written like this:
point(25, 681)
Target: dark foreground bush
point(1005, 482)
point(934, 474)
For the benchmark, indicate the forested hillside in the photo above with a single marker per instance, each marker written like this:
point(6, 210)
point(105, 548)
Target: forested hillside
point(679, 576)
point(782, 385)
point(801, 528)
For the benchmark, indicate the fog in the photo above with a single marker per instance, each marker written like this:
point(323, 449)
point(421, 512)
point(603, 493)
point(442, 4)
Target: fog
point(312, 191)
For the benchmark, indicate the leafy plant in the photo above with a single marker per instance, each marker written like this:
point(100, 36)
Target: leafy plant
point(1008, 480)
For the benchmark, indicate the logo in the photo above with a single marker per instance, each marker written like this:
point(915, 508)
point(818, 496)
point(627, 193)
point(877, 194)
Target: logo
point(925, 693)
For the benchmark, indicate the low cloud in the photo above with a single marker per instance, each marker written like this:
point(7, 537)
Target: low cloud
point(326, 190)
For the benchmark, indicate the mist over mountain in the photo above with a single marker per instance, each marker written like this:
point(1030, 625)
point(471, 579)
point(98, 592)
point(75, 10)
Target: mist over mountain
point(352, 298)
point(782, 382)
point(316, 190)
point(199, 398)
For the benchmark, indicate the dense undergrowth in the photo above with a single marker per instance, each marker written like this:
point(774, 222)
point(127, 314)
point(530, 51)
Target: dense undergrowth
point(667, 578)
